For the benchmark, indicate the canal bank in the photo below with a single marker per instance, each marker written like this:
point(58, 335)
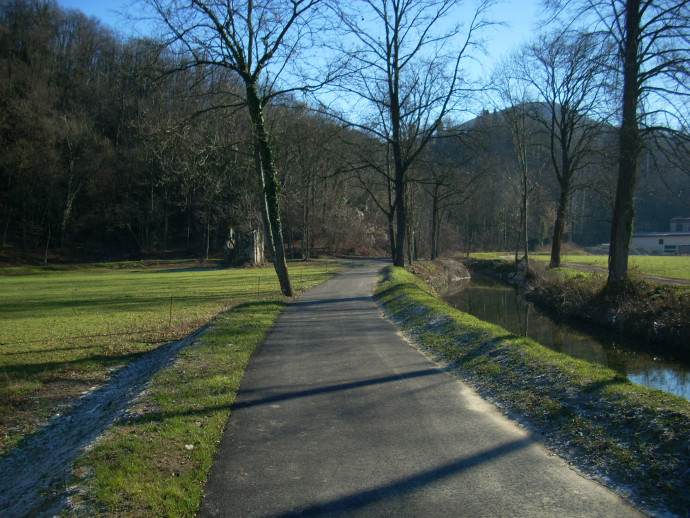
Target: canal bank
point(654, 312)
point(633, 439)
point(498, 302)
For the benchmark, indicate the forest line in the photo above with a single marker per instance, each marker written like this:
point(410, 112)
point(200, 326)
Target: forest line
point(128, 148)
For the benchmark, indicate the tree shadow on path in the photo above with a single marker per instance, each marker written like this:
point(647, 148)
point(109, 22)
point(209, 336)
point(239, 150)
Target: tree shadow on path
point(408, 484)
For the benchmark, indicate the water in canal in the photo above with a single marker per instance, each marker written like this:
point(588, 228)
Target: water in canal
point(494, 301)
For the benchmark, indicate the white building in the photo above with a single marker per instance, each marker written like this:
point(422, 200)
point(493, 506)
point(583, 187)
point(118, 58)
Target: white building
point(675, 241)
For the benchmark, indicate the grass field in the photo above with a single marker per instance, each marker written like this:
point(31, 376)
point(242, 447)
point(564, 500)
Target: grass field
point(674, 267)
point(64, 331)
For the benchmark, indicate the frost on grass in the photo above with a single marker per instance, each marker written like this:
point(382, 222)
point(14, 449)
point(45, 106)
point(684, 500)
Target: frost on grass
point(633, 440)
point(33, 475)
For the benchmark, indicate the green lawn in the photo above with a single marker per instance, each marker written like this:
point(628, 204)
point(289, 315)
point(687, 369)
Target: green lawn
point(62, 331)
point(675, 267)
point(488, 255)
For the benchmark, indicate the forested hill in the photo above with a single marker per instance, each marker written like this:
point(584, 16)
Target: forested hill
point(106, 155)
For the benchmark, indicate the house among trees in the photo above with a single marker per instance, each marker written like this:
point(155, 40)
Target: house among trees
point(244, 247)
point(675, 241)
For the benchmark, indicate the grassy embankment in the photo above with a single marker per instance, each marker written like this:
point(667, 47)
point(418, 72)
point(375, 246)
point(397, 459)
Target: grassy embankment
point(634, 437)
point(65, 331)
point(652, 310)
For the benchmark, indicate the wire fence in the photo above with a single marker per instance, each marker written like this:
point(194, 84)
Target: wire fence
point(171, 302)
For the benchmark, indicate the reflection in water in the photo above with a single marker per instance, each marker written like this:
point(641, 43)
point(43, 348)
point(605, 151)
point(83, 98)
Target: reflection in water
point(494, 301)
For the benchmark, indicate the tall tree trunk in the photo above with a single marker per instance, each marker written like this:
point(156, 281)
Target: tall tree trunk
point(396, 144)
point(7, 228)
point(559, 228)
point(629, 149)
point(189, 217)
point(524, 217)
point(305, 229)
point(391, 233)
point(401, 231)
point(69, 204)
point(410, 245)
point(165, 226)
point(45, 255)
point(305, 222)
point(208, 233)
point(519, 237)
point(268, 233)
point(434, 211)
point(271, 188)
point(410, 224)
point(391, 221)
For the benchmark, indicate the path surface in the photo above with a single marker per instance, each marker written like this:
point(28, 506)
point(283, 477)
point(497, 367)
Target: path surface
point(338, 415)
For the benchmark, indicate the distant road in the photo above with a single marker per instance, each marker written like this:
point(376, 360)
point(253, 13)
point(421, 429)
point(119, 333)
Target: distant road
point(338, 415)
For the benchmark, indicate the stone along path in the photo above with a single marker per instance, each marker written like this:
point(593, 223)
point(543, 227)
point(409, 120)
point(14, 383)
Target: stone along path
point(339, 415)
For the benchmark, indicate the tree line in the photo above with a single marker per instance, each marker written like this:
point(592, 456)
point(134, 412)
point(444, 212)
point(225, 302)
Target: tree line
point(336, 126)
point(118, 149)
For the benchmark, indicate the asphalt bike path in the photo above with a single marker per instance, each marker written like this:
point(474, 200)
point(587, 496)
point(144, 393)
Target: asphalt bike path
point(338, 415)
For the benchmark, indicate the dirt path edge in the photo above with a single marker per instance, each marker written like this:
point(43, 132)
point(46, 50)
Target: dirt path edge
point(33, 475)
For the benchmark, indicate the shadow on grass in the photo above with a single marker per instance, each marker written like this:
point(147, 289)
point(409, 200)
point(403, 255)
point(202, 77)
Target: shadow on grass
point(600, 386)
point(400, 288)
point(56, 349)
point(37, 369)
point(157, 301)
point(244, 400)
point(33, 472)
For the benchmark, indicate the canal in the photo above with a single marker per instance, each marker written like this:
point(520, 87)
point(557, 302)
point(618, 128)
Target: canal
point(495, 301)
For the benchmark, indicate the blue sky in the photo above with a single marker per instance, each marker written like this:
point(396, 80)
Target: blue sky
point(519, 15)
point(102, 9)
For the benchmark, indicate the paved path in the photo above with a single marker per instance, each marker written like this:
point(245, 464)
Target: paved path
point(338, 415)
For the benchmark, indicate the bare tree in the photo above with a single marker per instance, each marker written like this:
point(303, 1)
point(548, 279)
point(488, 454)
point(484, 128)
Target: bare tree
point(406, 76)
point(449, 179)
point(518, 117)
point(653, 40)
point(652, 57)
point(309, 151)
point(84, 154)
point(564, 69)
point(258, 41)
point(373, 168)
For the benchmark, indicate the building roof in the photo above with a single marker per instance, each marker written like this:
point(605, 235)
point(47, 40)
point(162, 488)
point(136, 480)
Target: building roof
point(661, 234)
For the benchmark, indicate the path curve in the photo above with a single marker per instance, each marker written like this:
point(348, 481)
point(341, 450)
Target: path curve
point(338, 415)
